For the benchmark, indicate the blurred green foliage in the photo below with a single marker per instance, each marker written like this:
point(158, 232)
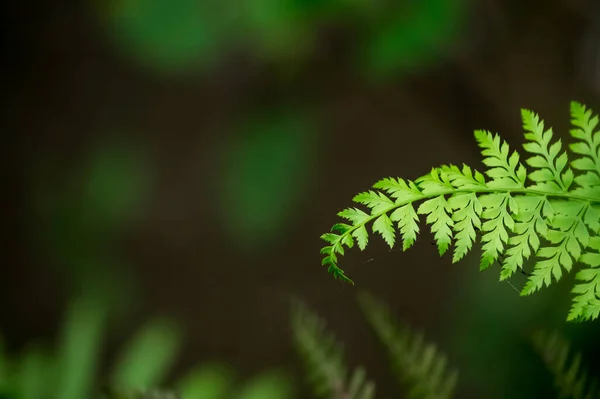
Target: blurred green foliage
point(421, 369)
point(416, 33)
point(267, 385)
point(81, 213)
point(265, 172)
point(172, 36)
point(323, 358)
point(167, 35)
point(211, 381)
point(72, 370)
point(116, 178)
point(492, 321)
point(79, 350)
point(148, 356)
point(571, 375)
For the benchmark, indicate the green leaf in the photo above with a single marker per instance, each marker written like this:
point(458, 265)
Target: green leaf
point(526, 240)
point(438, 211)
point(377, 201)
point(505, 172)
point(383, 225)
point(362, 237)
point(401, 190)
point(467, 211)
point(494, 229)
point(550, 167)
point(407, 220)
point(586, 302)
point(356, 216)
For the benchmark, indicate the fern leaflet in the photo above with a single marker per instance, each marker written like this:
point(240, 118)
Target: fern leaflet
point(547, 211)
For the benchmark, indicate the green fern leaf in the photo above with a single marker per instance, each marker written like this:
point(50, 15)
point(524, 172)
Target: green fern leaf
point(377, 201)
point(323, 357)
point(546, 213)
point(586, 304)
point(419, 366)
point(399, 189)
point(572, 381)
point(529, 227)
point(587, 147)
point(551, 174)
point(383, 225)
point(407, 220)
point(438, 216)
point(495, 233)
point(467, 211)
point(505, 172)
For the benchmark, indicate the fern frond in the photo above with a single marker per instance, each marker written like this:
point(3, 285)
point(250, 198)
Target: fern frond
point(571, 379)
point(418, 364)
point(323, 357)
point(546, 209)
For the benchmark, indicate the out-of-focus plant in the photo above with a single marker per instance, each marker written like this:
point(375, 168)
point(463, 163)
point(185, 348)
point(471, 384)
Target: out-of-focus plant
point(420, 368)
point(323, 357)
point(167, 35)
point(181, 35)
point(71, 371)
point(571, 378)
point(217, 381)
point(418, 365)
point(264, 173)
point(550, 211)
point(80, 215)
point(412, 34)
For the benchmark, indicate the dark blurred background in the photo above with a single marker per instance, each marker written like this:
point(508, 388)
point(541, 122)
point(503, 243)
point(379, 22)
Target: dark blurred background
point(180, 158)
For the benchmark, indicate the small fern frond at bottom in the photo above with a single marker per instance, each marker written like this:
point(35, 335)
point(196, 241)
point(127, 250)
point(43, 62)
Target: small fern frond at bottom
point(323, 357)
point(571, 378)
point(420, 367)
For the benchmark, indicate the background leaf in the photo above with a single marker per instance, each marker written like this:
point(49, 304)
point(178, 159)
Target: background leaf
point(207, 382)
point(148, 357)
point(412, 34)
point(268, 385)
point(166, 35)
point(265, 174)
point(80, 348)
point(36, 369)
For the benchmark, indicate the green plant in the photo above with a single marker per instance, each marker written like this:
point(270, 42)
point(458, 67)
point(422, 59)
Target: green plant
point(323, 357)
point(548, 210)
point(71, 372)
point(419, 367)
point(572, 380)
